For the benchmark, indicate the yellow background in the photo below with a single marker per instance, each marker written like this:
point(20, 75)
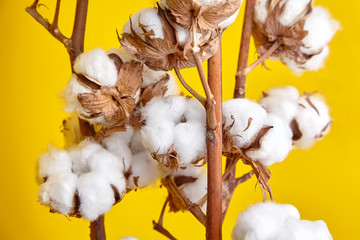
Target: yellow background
point(322, 183)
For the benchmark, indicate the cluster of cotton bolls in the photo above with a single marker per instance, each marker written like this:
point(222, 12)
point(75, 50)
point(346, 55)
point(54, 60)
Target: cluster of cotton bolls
point(174, 123)
point(268, 221)
point(310, 37)
point(86, 179)
point(266, 131)
point(100, 69)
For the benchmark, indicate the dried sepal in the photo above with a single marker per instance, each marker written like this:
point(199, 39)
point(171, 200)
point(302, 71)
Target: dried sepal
point(207, 16)
point(156, 89)
point(129, 79)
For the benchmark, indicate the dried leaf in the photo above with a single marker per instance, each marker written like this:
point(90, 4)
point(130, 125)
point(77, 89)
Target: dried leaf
point(181, 180)
point(308, 100)
point(297, 134)
point(249, 123)
point(88, 82)
point(136, 180)
point(117, 60)
point(117, 195)
point(156, 89)
point(255, 144)
point(177, 201)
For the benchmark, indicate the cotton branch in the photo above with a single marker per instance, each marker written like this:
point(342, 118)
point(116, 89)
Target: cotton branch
point(158, 226)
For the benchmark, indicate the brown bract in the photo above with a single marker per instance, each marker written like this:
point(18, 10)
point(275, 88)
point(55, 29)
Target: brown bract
point(233, 152)
point(165, 54)
point(289, 37)
point(114, 103)
point(207, 15)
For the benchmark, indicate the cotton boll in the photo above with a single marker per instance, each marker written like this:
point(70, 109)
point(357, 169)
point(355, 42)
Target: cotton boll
point(299, 230)
point(275, 145)
point(262, 221)
point(145, 169)
point(122, 53)
point(321, 29)
point(149, 20)
point(292, 11)
point(158, 137)
point(195, 111)
point(313, 120)
point(81, 154)
point(189, 170)
point(172, 86)
point(260, 11)
point(189, 141)
point(95, 194)
point(53, 162)
point(243, 110)
point(230, 20)
point(281, 102)
point(96, 64)
point(58, 192)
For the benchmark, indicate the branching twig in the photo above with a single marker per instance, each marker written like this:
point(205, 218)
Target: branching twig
point(261, 59)
point(158, 226)
point(187, 87)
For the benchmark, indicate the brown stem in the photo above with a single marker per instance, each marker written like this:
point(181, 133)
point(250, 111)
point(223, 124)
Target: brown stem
point(158, 226)
point(78, 33)
point(214, 149)
point(97, 231)
point(261, 59)
point(244, 177)
point(240, 84)
point(187, 87)
point(201, 71)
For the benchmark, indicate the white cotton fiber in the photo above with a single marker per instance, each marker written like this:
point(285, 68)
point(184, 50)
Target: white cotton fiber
point(129, 238)
point(136, 146)
point(189, 170)
point(276, 144)
point(190, 141)
point(150, 21)
point(313, 119)
point(118, 144)
point(53, 162)
point(304, 230)
point(260, 11)
point(151, 76)
point(70, 94)
point(262, 221)
point(122, 53)
point(58, 192)
point(270, 221)
point(321, 28)
point(292, 12)
point(81, 154)
point(95, 194)
point(282, 102)
point(230, 20)
point(172, 86)
point(195, 111)
point(315, 63)
point(243, 110)
point(197, 190)
point(97, 65)
point(145, 169)
point(158, 138)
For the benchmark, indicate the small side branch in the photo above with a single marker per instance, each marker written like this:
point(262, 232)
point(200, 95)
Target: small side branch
point(97, 229)
point(158, 226)
point(187, 87)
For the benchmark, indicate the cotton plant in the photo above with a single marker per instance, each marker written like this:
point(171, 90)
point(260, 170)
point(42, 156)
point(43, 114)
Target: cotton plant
point(267, 221)
point(131, 127)
point(294, 32)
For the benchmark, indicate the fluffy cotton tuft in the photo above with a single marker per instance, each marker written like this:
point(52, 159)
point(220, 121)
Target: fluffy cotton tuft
point(321, 29)
point(275, 145)
point(149, 20)
point(171, 122)
point(313, 120)
point(230, 20)
point(242, 111)
point(145, 171)
point(292, 12)
point(260, 11)
point(89, 170)
point(96, 64)
point(269, 221)
point(197, 190)
point(281, 101)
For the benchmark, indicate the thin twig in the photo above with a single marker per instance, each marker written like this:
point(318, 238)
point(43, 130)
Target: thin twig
point(187, 87)
point(244, 177)
point(261, 59)
point(158, 226)
point(201, 72)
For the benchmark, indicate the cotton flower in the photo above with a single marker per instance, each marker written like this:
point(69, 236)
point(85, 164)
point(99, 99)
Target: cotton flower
point(88, 173)
point(301, 32)
point(172, 130)
point(268, 221)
